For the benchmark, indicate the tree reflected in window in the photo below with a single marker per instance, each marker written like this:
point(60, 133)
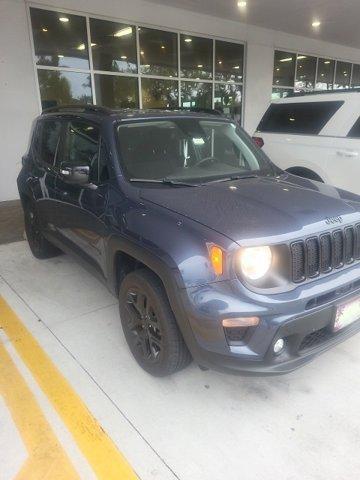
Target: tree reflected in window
point(157, 93)
point(116, 92)
point(62, 87)
point(196, 95)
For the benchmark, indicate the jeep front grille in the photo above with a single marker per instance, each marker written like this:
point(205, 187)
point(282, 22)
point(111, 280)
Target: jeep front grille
point(321, 254)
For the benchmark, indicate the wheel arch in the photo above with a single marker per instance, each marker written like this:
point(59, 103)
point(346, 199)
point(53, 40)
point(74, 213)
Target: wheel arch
point(134, 256)
point(305, 173)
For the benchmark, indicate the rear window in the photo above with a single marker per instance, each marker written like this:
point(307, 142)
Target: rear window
point(304, 118)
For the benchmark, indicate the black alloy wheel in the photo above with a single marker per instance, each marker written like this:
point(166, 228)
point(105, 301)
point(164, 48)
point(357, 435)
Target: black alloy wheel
point(149, 324)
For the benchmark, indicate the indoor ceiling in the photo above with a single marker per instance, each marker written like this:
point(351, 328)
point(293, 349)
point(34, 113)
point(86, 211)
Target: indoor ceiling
point(339, 19)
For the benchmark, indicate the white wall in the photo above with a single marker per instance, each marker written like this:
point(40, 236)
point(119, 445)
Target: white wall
point(18, 94)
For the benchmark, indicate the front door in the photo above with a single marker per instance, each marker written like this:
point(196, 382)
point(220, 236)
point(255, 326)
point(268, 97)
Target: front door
point(81, 208)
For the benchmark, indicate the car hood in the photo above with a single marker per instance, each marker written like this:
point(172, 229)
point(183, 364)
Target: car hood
point(250, 209)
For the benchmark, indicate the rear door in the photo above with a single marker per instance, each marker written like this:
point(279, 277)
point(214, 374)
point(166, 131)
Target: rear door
point(81, 208)
point(345, 165)
point(45, 149)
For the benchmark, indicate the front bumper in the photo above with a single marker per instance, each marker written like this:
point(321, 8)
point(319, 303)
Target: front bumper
point(299, 317)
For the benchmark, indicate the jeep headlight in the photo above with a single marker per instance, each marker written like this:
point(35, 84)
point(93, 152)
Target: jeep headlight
point(255, 262)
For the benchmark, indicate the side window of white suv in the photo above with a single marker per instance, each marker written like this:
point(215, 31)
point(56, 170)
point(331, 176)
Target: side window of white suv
point(355, 130)
point(306, 118)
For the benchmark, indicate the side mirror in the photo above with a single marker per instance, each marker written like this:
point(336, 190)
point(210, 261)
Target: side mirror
point(78, 174)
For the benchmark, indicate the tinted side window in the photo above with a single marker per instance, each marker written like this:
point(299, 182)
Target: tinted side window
point(49, 130)
point(304, 118)
point(355, 130)
point(82, 146)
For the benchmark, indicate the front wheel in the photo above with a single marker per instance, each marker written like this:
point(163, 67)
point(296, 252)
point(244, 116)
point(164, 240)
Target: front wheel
point(39, 246)
point(149, 325)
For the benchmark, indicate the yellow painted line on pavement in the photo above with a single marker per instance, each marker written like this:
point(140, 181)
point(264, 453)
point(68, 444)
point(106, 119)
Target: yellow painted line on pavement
point(105, 459)
point(47, 459)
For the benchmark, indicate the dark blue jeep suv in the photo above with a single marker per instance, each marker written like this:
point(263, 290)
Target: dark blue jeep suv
point(215, 254)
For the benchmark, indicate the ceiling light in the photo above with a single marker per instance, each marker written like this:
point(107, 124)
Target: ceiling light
point(322, 74)
point(278, 69)
point(63, 19)
point(93, 44)
point(236, 67)
point(316, 23)
point(327, 62)
point(288, 59)
point(81, 46)
point(163, 47)
point(142, 52)
point(242, 4)
point(61, 56)
point(220, 63)
point(301, 57)
point(123, 32)
point(188, 40)
point(200, 66)
point(123, 57)
point(44, 29)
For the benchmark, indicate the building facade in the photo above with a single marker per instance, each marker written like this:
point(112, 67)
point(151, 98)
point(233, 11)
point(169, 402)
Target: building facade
point(140, 54)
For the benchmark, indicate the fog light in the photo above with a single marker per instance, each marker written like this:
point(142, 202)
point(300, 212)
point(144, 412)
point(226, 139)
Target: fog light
point(279, 346)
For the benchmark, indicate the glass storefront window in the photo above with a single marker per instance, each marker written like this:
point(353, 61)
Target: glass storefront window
point(228, 99)
point(113, 46)
point(278, 93)
point(196, 57)
point(355, 79)
point(229, 59)
point(305, 73)
point(60, 39)
point(284, 69)
point(83, 59)
point(158, 93)
point(117, 92)
point(325, 74)
point(196, 95)
point(158, 52)
point(62, 87)
point(342, 75)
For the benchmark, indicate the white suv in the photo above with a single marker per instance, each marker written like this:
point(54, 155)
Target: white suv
point(315, 135)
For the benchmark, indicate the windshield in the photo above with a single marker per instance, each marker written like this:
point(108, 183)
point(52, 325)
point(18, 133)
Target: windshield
point(188, 149)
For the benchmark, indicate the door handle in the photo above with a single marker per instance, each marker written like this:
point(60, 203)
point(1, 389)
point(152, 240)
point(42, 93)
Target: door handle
point(347, 153)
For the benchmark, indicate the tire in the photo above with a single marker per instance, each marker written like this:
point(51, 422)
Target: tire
point(149, 325)
point(39, 246)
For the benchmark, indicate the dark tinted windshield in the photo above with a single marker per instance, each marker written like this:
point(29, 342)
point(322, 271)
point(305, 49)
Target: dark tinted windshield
point(188, 149)
point(304, 118)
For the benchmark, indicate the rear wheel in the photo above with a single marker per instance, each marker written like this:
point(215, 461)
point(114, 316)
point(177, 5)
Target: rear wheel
point(39, 246)
point(149, 325)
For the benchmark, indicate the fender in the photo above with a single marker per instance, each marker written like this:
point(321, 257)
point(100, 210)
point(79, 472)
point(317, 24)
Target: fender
point(169, 276)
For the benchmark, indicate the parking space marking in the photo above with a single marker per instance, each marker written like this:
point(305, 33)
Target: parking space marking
point(47, 458)
point(105, 459)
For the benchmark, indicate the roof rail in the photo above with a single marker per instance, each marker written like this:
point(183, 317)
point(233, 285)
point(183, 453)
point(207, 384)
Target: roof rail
point(210, 111)
point(78, 107)
point(324, 92)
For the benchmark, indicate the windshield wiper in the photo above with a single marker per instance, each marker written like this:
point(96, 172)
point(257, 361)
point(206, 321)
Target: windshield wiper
point(164, 181)
point(234, 177)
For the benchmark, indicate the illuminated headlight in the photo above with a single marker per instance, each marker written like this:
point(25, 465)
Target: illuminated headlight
point(255, 262)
